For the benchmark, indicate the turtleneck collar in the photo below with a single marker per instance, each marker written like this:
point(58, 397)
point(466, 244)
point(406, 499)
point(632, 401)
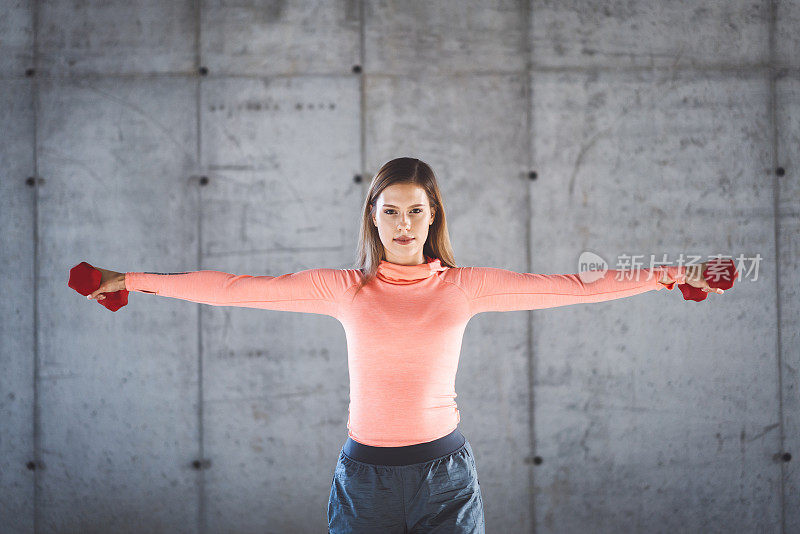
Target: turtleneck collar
point(408, 274)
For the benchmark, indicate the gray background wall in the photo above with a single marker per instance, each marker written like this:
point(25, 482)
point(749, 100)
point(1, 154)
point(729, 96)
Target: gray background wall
point(651, 127)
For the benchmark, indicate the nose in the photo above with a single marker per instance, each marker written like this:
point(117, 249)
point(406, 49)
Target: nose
point(403, 223)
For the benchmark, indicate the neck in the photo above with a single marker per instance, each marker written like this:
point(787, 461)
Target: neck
point(416, 259)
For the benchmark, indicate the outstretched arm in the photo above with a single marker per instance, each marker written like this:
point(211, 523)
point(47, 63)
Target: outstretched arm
point(311, 291)
point(493, 289)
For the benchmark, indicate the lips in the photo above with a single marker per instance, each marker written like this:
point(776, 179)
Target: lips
point(404, 240)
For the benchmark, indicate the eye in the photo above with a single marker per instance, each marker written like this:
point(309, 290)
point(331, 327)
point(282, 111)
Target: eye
point(388, 210)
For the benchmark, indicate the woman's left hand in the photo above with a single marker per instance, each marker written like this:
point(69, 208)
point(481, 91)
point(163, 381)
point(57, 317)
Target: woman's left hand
point(695, 277)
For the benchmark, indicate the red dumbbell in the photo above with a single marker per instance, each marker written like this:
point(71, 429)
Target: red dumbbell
point(720, 274)
point(85, 279)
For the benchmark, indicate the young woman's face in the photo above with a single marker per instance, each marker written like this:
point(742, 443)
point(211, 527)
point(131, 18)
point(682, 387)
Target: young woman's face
point(403, 210)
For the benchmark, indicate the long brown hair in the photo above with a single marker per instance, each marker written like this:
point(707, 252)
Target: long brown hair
point(370, 248)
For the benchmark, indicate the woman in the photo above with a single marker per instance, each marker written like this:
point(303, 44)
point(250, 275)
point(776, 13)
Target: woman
point(404, 467)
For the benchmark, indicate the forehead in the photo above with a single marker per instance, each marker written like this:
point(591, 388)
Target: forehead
point(403, 194)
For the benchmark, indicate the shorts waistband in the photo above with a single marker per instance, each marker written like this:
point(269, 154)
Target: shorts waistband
point(409, 454)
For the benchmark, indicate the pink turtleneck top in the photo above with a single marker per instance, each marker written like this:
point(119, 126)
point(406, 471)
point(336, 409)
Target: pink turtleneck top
point(402, 387)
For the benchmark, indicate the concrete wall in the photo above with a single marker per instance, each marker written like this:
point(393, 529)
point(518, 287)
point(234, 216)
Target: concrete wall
point(241, 137)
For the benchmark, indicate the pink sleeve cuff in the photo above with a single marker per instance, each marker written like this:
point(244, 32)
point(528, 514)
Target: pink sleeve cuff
point(130, 281)
point(677, 275)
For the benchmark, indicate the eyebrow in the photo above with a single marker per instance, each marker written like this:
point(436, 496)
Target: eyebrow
point(393, 206)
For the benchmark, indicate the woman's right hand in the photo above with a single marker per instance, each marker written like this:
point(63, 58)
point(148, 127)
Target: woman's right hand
point(110, 281)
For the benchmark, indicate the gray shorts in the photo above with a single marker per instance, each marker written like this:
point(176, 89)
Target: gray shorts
point(437, 496)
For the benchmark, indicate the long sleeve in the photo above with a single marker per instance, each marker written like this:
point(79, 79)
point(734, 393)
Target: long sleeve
point(493, 289)
point(310, 291)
